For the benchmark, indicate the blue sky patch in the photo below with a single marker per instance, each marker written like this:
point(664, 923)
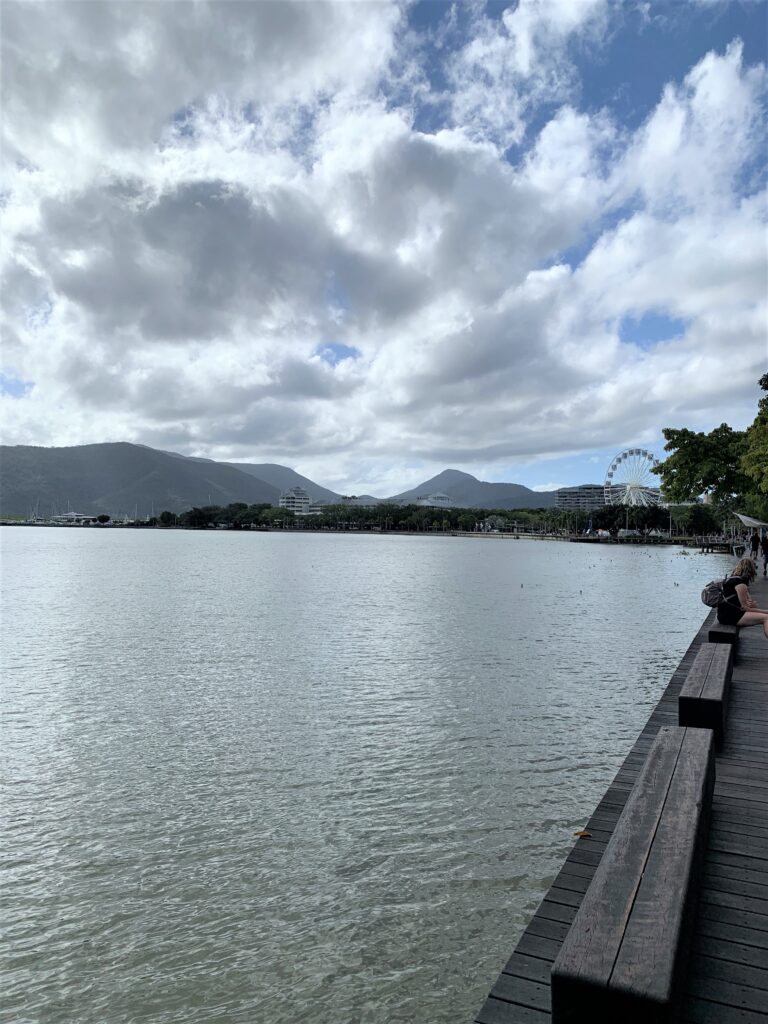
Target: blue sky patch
point(647, 330)
point(572, 470)
point(333, 353)
point(183, 122)
point(14, 386)
point(658, 43)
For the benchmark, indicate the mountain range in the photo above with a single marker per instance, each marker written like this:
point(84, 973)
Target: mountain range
point(120, 478)
point(468, 492)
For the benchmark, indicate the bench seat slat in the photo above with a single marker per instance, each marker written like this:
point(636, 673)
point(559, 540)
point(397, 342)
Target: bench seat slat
point(703, 700)
point(660, 928)
point(621, 958)
point(720, 633)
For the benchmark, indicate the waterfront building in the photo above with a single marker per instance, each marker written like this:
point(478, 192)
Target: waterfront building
point(72, 519)
point(438, 500)
point(583, 498)
point(296, 500)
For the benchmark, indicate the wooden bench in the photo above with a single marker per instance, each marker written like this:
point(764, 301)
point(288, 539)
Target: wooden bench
point(625, 956)
point(703, 700)
point(720, 634)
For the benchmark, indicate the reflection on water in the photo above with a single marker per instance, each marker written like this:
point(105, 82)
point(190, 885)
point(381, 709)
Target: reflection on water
point(266, 777)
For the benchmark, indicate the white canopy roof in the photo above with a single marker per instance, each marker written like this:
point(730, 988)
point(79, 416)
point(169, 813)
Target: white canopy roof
point(748, 521)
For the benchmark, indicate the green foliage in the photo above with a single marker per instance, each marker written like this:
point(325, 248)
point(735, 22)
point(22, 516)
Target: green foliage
point(754, 461)
point(703, 463)
point(730, 465)
point(701, 519)
point(384, 518)
point(103, 518)
point(756, 505)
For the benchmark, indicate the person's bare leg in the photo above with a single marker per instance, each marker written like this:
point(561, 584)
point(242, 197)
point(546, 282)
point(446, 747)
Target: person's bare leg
point(755, 619)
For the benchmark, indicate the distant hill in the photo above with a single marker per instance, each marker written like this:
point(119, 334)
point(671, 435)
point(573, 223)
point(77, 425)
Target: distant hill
point(283, 478)
point(468, 492)
point(278, 476)
point(125, 479)
point(118, 479)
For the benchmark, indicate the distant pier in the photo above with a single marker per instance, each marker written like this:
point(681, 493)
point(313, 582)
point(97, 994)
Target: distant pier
point(709, 883)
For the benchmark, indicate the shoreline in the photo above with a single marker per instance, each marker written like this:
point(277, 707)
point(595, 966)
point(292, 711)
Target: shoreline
point(701, 544)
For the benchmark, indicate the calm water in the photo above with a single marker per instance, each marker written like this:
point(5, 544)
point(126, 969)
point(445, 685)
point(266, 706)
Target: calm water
point(283, 778)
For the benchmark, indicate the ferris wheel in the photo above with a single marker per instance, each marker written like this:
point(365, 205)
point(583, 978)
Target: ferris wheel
point(629, 480)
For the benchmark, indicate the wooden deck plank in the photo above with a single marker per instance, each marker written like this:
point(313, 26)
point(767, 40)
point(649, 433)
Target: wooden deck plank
point(701, 1011)
point(731, 951)
point(530, 967)
point(732, 972)
point(719, 990)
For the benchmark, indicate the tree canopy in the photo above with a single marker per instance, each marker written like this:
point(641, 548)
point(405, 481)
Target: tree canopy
point(730, 466)
point(755, 458)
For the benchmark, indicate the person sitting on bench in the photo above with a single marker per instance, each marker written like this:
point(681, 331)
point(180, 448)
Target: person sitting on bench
point(738, 608)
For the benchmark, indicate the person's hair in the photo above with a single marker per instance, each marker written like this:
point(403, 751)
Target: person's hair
point(746, 569)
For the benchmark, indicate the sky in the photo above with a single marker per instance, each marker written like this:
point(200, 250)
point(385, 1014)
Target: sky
point(375, 240)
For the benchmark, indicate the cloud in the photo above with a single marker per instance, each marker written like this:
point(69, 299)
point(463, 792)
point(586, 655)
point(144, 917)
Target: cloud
point(701, 138)
point(293, 232)
point(110, 77)
point(514, 63)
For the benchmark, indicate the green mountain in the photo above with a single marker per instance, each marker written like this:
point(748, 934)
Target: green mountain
point(468, 492)
point(283, 478)
point(118, 479)
point(131, 479)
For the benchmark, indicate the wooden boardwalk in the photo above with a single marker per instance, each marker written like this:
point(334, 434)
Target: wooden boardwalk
point(728, 978)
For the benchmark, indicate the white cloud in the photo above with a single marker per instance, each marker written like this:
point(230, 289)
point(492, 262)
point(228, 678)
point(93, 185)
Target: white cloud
point(201, 198)
point(511, 64)
point(701, 137)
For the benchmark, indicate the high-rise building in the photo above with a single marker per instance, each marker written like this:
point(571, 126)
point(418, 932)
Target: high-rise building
point(583, 498)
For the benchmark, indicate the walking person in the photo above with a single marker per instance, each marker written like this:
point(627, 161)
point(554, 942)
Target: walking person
point(738, 607)
point(754, 544)
point(764, 550)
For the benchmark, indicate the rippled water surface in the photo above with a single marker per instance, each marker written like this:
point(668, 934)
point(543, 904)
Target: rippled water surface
point(284, 777)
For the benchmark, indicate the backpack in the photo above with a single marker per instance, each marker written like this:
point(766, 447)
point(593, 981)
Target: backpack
point(712, 594)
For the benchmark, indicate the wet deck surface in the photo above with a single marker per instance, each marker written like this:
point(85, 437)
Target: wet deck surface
point(728, 980)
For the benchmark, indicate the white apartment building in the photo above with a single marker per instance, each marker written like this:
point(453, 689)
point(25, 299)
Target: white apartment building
point(296, 500)
point(438, 500)
point(583, 498)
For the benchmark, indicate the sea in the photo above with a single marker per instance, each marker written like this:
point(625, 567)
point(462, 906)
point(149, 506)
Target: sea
point(289, 777)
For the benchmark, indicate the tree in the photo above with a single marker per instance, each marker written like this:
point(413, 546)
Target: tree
point(278, 517)
point(103, 518)
point(166, 518)
point(754, 461)
point(703, 463)
point(702, 519)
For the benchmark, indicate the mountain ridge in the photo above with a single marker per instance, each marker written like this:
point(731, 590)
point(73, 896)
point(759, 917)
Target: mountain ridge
point(463, 487)
point(117, 478)
point(120, 477)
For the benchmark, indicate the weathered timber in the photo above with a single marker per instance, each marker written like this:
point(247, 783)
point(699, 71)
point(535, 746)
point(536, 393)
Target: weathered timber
point(723, 634)
point(703, 700)
point(625, 955)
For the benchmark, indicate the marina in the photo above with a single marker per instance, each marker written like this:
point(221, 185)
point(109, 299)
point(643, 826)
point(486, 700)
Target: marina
point(725, 972)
